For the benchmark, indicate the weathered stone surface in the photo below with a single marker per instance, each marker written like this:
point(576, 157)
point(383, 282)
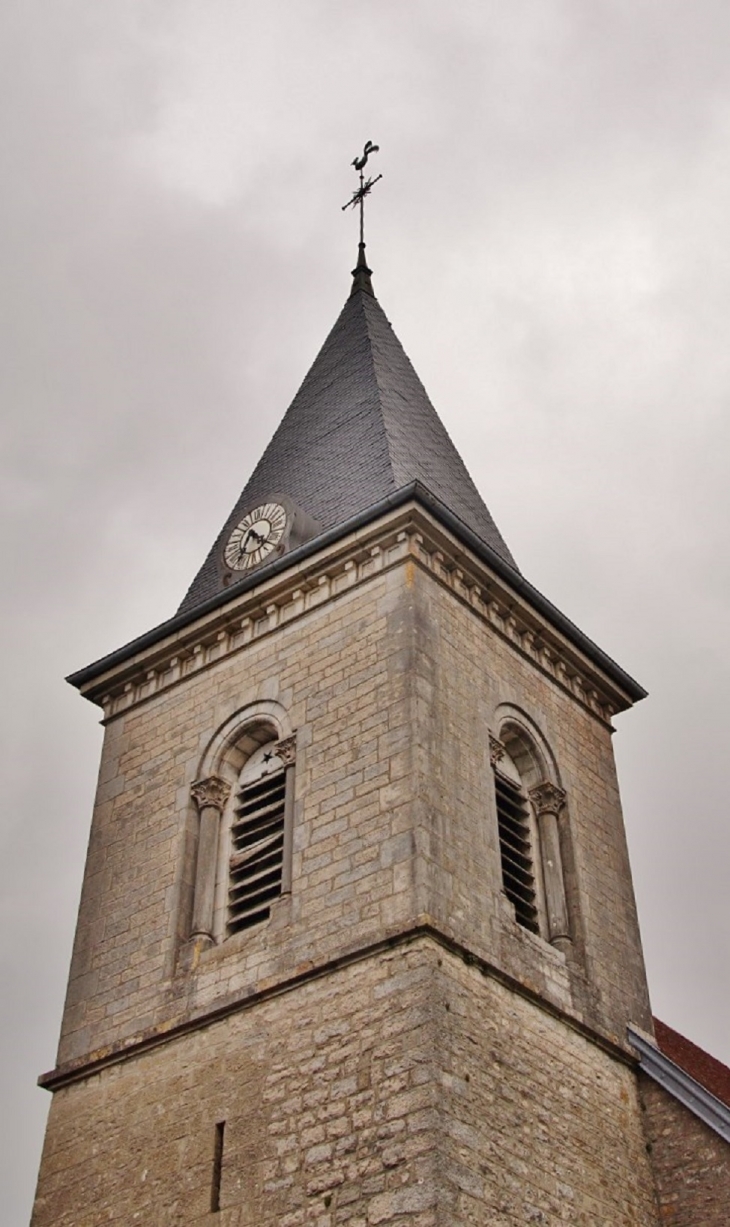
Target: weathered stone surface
point(691, 1163)
point(445, 1100)
point(392, 689)
point(466, 675)
point(403, 1085)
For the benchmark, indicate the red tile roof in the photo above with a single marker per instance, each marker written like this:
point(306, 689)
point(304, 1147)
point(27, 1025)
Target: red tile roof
point(707, 1070)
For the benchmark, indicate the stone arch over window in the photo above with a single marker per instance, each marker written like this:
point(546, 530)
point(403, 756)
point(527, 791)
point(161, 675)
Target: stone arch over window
point(529, 801)
point(244, 796)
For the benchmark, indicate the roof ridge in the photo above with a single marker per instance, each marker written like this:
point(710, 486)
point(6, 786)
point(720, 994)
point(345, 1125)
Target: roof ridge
point(374, 365)
point(419, 444)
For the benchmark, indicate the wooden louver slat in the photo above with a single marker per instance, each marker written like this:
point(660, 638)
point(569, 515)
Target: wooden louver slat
point(515, 848)
point(257, 852)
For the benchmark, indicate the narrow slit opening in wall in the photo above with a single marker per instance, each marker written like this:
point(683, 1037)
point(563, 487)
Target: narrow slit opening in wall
point(215, 1188)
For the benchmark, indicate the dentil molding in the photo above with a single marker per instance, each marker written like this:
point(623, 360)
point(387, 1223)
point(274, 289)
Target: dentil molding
point(409, 534)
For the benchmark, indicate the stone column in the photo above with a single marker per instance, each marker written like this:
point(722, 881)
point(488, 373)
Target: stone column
point(286, 751)
point(548, 800)
point(210, 796)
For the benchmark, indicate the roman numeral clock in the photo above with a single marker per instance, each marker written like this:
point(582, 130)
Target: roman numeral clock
point(264, 532)
point(255, 537)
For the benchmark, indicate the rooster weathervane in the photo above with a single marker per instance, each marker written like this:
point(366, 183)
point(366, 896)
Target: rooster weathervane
point(366, 185)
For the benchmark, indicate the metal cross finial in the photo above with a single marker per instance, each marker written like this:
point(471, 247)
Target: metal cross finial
point(366, 186)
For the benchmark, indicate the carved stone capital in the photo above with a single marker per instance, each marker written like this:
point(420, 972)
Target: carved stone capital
point(496, 750)
point(286, 749)
point(547, 798)
point(212, 792)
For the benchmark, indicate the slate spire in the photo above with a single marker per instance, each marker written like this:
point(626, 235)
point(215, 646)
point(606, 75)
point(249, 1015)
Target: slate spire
point(361, 274)
point(360, 428)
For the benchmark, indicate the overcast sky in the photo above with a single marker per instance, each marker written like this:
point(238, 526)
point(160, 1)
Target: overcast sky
point(551, 242)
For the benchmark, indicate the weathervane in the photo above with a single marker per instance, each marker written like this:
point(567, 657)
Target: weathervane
point(365, 188)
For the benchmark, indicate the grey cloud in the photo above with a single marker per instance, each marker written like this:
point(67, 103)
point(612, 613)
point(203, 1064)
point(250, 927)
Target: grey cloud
point(549, 241)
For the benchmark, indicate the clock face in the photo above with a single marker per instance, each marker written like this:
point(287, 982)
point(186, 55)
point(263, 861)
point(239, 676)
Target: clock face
point(255, 537)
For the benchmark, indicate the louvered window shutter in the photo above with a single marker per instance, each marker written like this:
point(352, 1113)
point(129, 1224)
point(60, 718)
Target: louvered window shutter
point(515, 846)
point(257, 851)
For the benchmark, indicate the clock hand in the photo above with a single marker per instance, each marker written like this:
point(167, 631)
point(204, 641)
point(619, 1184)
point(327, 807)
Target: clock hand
point(251, 535)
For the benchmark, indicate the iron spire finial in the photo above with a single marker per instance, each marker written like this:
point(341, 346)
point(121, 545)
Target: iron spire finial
point(361, 272)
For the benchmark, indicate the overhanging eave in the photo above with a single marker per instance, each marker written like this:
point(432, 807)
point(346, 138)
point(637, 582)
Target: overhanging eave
point(178, 626)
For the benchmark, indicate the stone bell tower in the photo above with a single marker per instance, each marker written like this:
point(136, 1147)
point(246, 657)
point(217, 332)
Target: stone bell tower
point(357, 941)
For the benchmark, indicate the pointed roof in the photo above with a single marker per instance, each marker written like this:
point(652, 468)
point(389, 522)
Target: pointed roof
point(360, 428)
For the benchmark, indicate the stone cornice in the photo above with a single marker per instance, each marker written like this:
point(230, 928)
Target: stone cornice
point(424, 929)
point(406, 534)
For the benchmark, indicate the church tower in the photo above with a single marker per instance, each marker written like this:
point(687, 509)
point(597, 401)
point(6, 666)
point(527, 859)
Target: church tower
point(357, 941)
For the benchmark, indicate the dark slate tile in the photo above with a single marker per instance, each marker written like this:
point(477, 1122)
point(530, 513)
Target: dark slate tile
point(360, 427)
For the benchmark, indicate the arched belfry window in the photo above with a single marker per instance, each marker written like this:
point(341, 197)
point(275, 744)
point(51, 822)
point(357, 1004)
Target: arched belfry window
point(528, 805)
point(245, 834)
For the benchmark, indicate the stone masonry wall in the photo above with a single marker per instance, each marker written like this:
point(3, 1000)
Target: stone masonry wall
point(466, 677)
point(404, 1089)
point(691, 1163)
point(341, 677)
point(392, 689)
point(538, 1124)
point(328, 1094)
